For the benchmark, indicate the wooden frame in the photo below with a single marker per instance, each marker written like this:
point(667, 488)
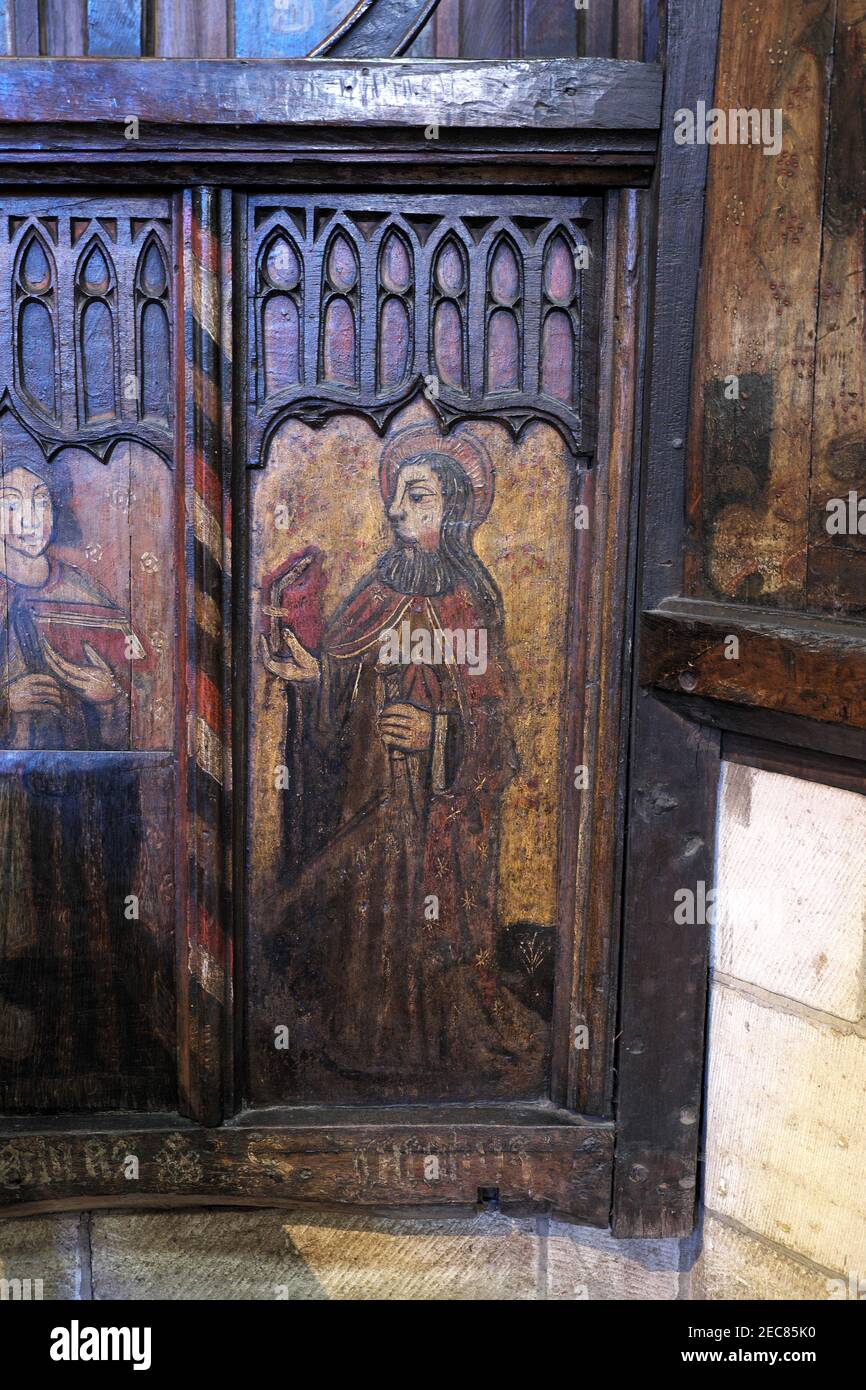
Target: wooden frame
point(601, 119)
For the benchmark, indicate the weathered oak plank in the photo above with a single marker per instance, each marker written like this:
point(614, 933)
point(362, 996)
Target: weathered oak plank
point(749, 453)
point(564, 1168)
point(804, 666)
point(582, 93)
point(674, 764)
point(837, 563)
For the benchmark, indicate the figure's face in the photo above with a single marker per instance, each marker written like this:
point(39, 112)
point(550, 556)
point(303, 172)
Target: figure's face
point(416, 511)
point(26, 512)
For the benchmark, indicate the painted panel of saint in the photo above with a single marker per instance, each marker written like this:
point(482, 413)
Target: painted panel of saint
point(86, 846)
point(402, 924)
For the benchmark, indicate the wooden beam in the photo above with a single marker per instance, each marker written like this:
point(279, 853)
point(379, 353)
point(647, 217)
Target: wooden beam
point(538, 1166)
point(805, 735)
point(674, 767)
point(557, 93)
point(799, 665)
point(846, 773)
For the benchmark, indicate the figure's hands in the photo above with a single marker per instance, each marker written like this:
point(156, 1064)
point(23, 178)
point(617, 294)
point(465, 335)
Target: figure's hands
point(35, 695)
point(406, 729)
point(298, 665)
point(94, 682)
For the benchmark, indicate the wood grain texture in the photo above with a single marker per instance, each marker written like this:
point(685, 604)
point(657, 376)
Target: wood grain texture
point(613, 487)
point(749, 458)
point(829, 769)
point(797, 735)
point(797, 665)
point(114, 28)
point(64, 24)
point(585, 1076)
point(548, 29)
point(564, 1168)
point(25, 28)
point(7, 28)
point(674, 764)
point(836, 578)
point(488, 30)
point(199, 30)
point(559, 93)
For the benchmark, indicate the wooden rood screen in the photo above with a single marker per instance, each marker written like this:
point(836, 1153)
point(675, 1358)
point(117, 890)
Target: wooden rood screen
point(317, 496)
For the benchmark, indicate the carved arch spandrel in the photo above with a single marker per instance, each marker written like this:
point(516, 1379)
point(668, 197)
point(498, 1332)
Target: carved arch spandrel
point(448, 325)
point(76, 372)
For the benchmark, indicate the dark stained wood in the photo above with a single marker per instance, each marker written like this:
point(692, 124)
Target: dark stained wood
point(446, 25)
point(549, 29)
point(812, 667)
point(558, 1167)
point(674, 766)
point(792, 730)
point(584, 1077)
point(845, 773)
point(836, 578)
point(68, 230)
point(503, 163)
point(377, 29)
point(580, 94)
point(488, 30)
point(599, 29)
point(87, 1001)
point(613, 571)
point(226, 156)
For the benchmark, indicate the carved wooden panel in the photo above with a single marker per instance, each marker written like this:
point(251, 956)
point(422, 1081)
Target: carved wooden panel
point(421, 399)
point(88, 655)
point(487, 309)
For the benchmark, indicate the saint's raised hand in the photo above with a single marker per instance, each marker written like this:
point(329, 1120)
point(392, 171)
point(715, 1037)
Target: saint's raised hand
point(297, 665)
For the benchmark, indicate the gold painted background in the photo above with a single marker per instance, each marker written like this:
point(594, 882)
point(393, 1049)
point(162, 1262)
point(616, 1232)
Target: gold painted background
point(328, 481)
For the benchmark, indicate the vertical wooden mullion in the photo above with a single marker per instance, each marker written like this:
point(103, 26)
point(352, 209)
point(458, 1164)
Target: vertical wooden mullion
point(191, 29)
point(674, 764)
point(25, 29)
point(64, 28)
point(237, 396)
point(205, 957)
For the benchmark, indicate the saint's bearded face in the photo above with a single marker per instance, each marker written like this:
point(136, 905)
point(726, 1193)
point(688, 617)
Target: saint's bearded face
point(416, 510)
point(26, 512)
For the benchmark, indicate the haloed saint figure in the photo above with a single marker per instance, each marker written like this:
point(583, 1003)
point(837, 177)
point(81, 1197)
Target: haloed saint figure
point(69, 826)
point(400, 749)
point(51, 701)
